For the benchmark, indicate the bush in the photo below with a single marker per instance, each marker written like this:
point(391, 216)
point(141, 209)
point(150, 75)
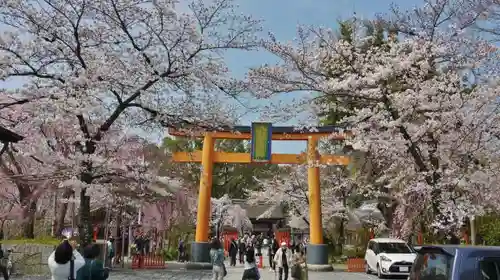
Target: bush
point(354, 252)
point(170, 254)
point(489, 230)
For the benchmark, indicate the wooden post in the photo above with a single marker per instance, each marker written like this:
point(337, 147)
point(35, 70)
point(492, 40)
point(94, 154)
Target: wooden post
point(473, 230)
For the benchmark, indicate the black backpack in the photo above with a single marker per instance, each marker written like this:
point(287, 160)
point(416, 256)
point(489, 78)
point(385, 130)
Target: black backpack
point(250, 274)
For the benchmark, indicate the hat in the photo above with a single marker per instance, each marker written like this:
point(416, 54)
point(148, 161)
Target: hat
point(283, 244)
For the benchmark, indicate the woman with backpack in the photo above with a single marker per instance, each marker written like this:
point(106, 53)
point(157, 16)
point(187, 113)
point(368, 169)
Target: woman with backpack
point(251, 271)
point(65, 261)
point(297, 260)
point(93, 268)
point(217, 259)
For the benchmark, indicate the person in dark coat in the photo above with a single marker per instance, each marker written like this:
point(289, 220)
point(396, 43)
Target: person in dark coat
point(182, 251)
point(139, 243)
point(93, 268)
point(4, 264)
point(241, 250)
point(233, 251)
point(258, 244)
point(273, 248)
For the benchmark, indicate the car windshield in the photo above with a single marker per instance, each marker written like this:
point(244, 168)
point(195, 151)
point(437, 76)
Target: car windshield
point(394, 248)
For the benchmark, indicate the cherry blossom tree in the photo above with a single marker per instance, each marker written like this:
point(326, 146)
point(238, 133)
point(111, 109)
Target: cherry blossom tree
point(289, 187)
point(428, 123)
point(105, 65)
point(176, 209)
point(226, 213)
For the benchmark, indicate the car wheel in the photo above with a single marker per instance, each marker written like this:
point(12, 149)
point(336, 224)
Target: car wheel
point(379, 272)
point(367, 268)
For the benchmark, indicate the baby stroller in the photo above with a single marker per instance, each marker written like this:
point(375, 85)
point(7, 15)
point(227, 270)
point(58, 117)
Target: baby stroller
point(183, 257)
point(6, 263)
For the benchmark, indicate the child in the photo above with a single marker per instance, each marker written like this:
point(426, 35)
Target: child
point(251, 271)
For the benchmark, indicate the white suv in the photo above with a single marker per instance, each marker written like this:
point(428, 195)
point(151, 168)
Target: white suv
point(389, 257)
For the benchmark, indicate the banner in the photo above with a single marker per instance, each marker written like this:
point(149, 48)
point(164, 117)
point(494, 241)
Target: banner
point(261, 142)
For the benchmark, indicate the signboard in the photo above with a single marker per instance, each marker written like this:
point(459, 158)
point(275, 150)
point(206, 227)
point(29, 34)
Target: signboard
point(261, 142)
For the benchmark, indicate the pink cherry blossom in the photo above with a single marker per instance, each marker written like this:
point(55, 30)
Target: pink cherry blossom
point(428, 126)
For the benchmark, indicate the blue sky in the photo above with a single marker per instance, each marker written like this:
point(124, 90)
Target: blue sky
point(282, 18)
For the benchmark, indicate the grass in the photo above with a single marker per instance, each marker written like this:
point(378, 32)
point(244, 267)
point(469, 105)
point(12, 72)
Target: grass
point(40, 241)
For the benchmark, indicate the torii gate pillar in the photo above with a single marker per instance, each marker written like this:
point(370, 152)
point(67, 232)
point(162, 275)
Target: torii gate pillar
point(317, 252)
point(201, 246)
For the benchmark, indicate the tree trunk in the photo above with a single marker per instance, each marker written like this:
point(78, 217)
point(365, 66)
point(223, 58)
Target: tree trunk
point(29, 221)
point(2, 233)
point(387, 210)
point(341, 239)
point(85, 226)
point(117, 232)
point(61, 213)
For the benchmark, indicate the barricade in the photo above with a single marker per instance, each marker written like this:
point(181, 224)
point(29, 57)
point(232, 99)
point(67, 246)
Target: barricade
point(355, 265)
point(136, 262)
point(151, 261)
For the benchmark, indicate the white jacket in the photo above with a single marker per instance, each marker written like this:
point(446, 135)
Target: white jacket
point(61, 271)
point(279, 260)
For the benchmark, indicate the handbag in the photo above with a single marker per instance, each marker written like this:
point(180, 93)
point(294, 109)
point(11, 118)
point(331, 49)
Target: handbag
point(250, 274)
point(295, 271)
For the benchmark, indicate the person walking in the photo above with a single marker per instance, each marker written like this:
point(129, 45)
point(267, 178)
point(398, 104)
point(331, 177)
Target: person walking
point(139, 244)
point(283, 260)
point(233, 251)
point(182, 251)
point(110, 249)
point(296, 268)
point(217, 260)
point(241, 250)
point(251, 271)
point(304, 245)
point(4, 263)
point(258, 244)
point(93, 268)
point(65, 261)
point(273, 247)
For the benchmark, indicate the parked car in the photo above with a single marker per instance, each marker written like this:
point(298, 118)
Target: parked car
point(456, 262)
point(389, 257)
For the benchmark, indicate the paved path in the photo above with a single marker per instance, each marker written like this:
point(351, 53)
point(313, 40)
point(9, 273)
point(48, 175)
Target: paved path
point(234, 273)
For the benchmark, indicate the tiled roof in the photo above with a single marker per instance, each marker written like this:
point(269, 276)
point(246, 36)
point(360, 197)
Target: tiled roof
point(254, 211)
